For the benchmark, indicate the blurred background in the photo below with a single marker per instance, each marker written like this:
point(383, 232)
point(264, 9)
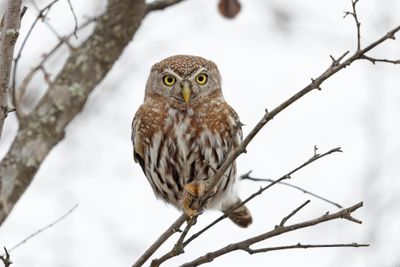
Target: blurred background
point(267, 53)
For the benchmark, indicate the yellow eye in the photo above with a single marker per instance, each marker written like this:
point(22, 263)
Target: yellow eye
point(169, 80)
point(201, 78)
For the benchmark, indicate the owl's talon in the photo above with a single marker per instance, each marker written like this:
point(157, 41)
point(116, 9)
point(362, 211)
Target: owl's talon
point(196, 189)
point(187, 202)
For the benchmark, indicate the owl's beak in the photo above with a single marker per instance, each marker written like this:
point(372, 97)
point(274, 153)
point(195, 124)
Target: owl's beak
point(185, 90)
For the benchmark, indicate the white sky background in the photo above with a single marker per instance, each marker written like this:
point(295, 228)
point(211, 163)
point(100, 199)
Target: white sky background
point(263, 61)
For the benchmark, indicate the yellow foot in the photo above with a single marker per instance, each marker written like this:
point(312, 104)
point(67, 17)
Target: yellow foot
point(196, 189)
point(194, 196)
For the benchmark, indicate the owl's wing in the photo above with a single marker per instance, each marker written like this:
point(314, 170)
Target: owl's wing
point(137, 141)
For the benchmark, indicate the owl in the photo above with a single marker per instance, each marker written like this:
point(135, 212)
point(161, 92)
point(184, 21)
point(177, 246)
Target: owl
point(182, 134)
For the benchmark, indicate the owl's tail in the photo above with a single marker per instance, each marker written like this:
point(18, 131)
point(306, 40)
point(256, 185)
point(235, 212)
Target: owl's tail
point(240, 216)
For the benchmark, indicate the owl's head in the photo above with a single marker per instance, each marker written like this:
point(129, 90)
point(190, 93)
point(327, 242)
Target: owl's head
point(183, 78)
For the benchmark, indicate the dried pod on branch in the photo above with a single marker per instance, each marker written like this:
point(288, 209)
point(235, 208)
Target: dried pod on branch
point(229, 8)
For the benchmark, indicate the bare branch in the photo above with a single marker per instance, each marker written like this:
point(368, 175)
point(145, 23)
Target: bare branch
point(161, 4)
point(9, 34)
point(304, 246)
point(66, 96)
point(245, 244)
point(374, 60)
point(153, 248)
point(20, 92)
point(247, 176)
point(358, 24)
point(42, 14)
point(178, 247)
point(285, 219)
point(65, 215)
point(75, 18)
point(334, 67)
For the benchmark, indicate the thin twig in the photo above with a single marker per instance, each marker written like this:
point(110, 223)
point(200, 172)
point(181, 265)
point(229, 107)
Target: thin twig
point(51, 28)
point(245, 244)
point(42, 14)
point(334, 67)
point(65, 215)
point(247, 176)
point(161, 4)
point(285, 219)
point(304, 246)
point(75, 18)
point(374, 60)
point(20, 92)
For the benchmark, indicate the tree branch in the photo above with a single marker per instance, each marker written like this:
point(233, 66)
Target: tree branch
point(65, 215)
point(178, 247)
point(335, 66)
point(247, 176)
point(259, 192)
point(18, 94)
point(382, 60)
point(245, 244)
point(66, 96)
point(153, 248)
point(75, 18)
point(358, 24)
point(299, 245)
point(9, 35)
point(285, 219)
point(42, 14)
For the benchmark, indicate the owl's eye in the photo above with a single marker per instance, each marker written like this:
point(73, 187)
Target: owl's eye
point(169, 80)
point(201, 78)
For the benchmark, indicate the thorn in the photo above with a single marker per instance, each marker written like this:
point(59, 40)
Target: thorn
point(245, 175)
point(21, 15)
point(315, 150)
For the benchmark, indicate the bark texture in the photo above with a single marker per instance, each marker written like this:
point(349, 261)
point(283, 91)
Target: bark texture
point(84, 69)
point(9, 34)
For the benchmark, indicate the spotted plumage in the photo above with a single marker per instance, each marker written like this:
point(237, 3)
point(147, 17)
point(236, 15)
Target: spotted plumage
point(184, 131)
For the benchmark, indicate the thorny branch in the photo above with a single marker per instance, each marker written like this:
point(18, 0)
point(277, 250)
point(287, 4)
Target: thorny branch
point(358, 24)
point(278, 230)
point(75, 18)
point(9, 30)
point(337, 64)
